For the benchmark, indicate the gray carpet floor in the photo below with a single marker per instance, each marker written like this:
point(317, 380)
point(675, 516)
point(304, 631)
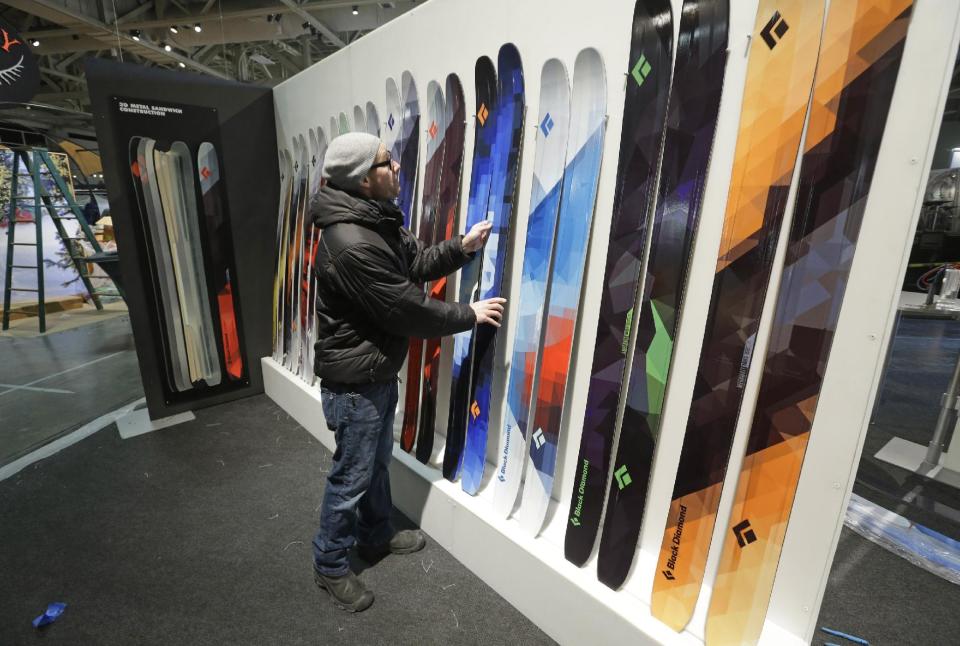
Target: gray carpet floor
point(200, 534)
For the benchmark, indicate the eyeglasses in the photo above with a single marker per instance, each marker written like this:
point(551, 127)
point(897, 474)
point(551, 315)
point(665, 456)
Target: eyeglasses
point(388, 162)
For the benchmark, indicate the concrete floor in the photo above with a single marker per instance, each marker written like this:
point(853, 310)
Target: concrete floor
point(50, 384)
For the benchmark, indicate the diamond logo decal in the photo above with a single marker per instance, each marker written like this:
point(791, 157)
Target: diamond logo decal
point(546, 125)
point(433, 130)
point(482, 114)
point(391, 121)
point(641, 70)
point(205, 172)
point(538, 439)
point(774, 30)
point(475, 410)
point(623, 477)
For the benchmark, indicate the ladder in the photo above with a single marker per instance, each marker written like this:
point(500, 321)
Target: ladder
point(32, 159)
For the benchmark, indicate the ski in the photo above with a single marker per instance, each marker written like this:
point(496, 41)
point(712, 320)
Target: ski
point(501, 207)
point(862, 46)
point(449, 205)
point(343, 124)
point(780, 72)
point(373, 120)
point(311, 276)
point(175, 187)
point(553, 121)
point(167, 302)
point(578, 196)
point(428, 235)
point(481, 175)
point(279, 278)
point(694, 103)
point(409, 150)
point(645, 111)
point(220, 254)
point(359, 119)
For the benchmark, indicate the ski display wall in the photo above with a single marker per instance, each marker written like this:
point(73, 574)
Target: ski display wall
point(549, 161)
point(188, 247)
point(645, 111)
point(193, 217)
point(428, 235)
point(862, 45)
point(577, 199)
point(449, 205)
point(508, 141)
point(481, 175)
point(780, 71)
point(691, 122)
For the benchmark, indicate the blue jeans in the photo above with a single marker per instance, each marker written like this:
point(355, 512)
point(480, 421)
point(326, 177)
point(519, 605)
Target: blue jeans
point(356, 502)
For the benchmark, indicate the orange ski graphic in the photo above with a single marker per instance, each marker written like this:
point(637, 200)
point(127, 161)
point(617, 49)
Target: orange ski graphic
point(780, 73)
point(856, 75)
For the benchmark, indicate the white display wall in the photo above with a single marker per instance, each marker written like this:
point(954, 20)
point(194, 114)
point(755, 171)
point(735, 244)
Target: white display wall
point(444, 36)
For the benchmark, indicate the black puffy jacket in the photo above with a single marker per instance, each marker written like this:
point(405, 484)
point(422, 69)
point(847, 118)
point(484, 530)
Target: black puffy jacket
point(368, 304)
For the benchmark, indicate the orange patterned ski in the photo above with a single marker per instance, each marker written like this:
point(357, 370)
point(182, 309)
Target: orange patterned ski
point(856, 75)
point(780, 73)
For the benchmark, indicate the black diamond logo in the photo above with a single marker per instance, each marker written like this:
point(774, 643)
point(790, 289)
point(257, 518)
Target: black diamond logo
point(774, 30)
point(744, 534)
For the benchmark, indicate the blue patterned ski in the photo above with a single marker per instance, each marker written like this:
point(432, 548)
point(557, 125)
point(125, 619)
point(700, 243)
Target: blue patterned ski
point(549, 162)
point(587, 127)
point(480, 178)
point(501, 208)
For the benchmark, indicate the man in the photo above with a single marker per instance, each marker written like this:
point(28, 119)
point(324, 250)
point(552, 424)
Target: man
point(369, 304)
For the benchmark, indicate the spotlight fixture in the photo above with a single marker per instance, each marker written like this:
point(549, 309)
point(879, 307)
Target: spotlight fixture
point(197, 28)
point(173, 29)
point(35, 42)
point(135, 34)
point(356, 10)
point(167, 48)
point(182, 64)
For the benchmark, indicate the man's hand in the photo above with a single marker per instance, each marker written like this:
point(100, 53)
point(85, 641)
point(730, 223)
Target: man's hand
point(489, 311)
point(477, 236)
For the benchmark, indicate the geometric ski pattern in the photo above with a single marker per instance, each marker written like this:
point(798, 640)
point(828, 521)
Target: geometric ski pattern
point(448, 206)
point(645, 111)
point(409, 150)
point(856, 75)
point(578, 195)
point(694, 103)
point(481, 175)
point(508, 138)
point(780, 74)
point(550, 158)
point(427, 235)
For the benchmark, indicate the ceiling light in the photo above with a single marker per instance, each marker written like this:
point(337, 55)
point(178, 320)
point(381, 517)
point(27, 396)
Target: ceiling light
point(182, 64)
point(167, 48)
point(356, 10)
point(35, 42)
point(197, 28)
point(173, 29)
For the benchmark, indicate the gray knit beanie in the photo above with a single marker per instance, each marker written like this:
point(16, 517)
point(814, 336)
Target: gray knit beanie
point(349, 158)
